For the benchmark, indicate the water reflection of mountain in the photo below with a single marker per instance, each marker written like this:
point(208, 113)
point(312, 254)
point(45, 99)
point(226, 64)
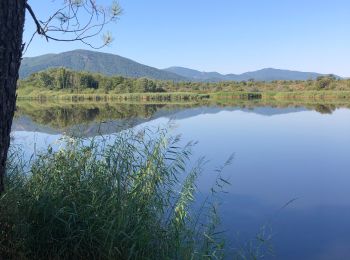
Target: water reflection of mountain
point(263, 111)
point(89, 119)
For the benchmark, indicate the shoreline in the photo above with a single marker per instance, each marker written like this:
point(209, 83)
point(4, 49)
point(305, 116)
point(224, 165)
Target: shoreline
point(187, 96)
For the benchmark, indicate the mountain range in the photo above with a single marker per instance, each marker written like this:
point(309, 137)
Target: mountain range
point(92, 61)
point(267, 74)
point(112, 65)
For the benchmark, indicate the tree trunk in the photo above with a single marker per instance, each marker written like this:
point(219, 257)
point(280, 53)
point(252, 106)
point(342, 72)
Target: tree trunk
point(12, 13)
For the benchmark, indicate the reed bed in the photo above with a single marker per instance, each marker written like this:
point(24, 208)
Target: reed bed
point(128, 196)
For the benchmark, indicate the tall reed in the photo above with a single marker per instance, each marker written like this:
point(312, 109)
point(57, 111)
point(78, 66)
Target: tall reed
point(124, 197)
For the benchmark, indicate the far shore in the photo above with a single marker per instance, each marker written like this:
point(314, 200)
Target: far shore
point(326, 95)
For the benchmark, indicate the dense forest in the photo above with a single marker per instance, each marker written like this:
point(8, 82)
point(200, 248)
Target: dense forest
point(58, 79)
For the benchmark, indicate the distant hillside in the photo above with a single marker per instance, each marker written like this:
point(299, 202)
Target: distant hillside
point(113, 65)
point(195, 74)
point(259, 75)
point(105, 63)
point(276, 74)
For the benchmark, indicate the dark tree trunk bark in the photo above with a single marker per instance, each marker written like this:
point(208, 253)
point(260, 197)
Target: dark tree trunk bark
point(12, 13)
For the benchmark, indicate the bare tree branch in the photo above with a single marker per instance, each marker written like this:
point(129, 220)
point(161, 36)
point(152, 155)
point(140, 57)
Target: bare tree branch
point(77, 20)
point(39, 29)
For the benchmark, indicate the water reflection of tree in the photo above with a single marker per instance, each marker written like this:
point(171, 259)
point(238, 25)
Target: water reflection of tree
point(328, 107)
point(68, 115)
point(62, 116)
point(325, 109)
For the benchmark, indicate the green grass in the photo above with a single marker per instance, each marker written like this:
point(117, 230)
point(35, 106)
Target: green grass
point(44, 94)
point(125, 197)
point(28, 93)
point(295, 95)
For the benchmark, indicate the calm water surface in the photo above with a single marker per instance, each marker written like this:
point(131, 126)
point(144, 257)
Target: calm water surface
point(290, 154)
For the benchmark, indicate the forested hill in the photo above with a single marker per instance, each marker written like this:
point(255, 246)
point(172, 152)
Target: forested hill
point(268, 74)
point(114, 65)
point(92, 61)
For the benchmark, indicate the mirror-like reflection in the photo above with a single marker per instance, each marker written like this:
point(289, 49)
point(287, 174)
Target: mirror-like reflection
point(66, 116)
point(284, 151)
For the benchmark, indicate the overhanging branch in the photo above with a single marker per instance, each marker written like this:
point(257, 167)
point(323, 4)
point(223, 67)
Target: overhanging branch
point(74, 24)
point(39, 29)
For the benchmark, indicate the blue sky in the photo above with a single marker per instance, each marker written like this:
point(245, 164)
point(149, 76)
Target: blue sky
point(228, 36)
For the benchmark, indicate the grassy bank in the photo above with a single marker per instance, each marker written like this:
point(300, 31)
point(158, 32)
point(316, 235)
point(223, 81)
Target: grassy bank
point(163, 97)
point(117, 198)
point(44, 94)
point(295, 95)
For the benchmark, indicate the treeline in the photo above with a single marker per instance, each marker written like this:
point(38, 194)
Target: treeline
point(80, 82)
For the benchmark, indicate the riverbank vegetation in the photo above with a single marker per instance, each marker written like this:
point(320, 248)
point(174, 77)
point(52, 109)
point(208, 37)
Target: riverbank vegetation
point(130, 196)
point(61, 83)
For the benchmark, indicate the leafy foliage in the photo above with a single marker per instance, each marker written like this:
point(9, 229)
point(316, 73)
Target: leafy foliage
point(65, 79)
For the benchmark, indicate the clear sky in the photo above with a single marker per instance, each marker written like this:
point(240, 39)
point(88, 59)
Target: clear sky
point(228, 36)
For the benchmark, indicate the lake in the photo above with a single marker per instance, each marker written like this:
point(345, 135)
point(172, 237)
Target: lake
point(290, 172)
